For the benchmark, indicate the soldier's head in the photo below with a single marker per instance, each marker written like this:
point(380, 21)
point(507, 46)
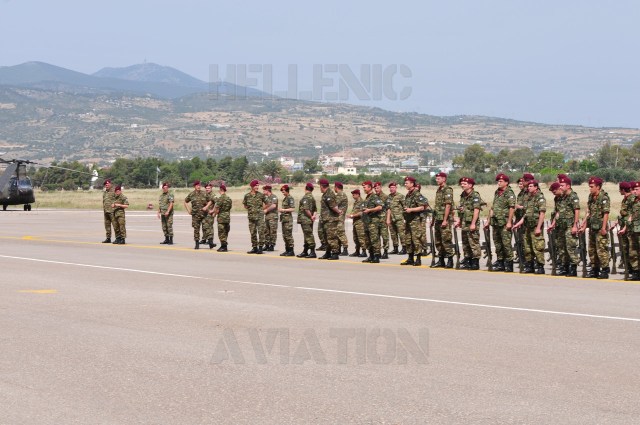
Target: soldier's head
point(533, 186)
point(409, 183)
point(524, 180)
point(266, 189)
point(367, 187)
point(635, 188)
point(565, 184)
point(254, 185)
point(595, 185)
point(222, 189)
point(107, 184)
point(393, 187)
point(625, 188)
point(308, 188)
point(324, 185)
point(165, 187)
point(503, 180)
point(560, 177)
point(196, 185)
point(556, 189)
point(377, 186)
point(356, 194)
point(117, 189)
point(208, 187)
point(441, 178)
point(338, 186)
point(284, 189)
point(467, 184)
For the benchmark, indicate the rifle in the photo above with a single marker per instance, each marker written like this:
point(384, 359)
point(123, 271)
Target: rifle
point(582, 240)
point(519, 237)
point(552, 251)
point(432, 244)
point(456, 248)
point(487, 247)
point(614, 256)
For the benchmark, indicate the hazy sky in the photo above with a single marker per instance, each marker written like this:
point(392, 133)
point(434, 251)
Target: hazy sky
point(560, 61)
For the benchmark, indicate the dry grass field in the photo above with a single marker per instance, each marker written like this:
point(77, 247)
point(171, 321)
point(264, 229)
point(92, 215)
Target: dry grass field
point(139, 199)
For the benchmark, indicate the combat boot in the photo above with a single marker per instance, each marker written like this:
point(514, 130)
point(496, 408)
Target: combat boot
point(108, 240)
point(326, 255)
point(312, 253)
point(395, 250)
point(203, 241)
point(211, 244)
point(594, 272)
point(403, 251)
point(363, 254)
point(170, 240)
point(604, 273)
point(122, 242)
point(165, 241)
point(259, 249)
point(438, 264)
point(562, 269)
point(197, 245)
point(322, 247)
point(385, 255)
point(498, 266)
point(418, 261)
point(449, 264)
point(508, 266)
point(304, 253)
point(334, 256)
point(475, 264)
point(376, 259)
point(572, 271)
point(528, 267)
point(409, 261)
point(116, 241)
point(344, 251)
point(223, 248)
point(539, 268)
point(288, 253)
point(355, 253)
point(465, 264)
point(254, 250)
point(634, 274)
point(370, 259)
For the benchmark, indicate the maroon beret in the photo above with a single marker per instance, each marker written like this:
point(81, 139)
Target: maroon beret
point(254, 183)
point(554, 186)
point(502, 176)
point(367, 183)
point(196, 183)
point(338, 185)
point(635, 184)
point(625, 185)
point(117, 188)
point(561, 176)
point(377, 184)
point(595, 180)
point(284, 187)
point(209, 184)
point(393, 184)
point(107, 181)
point(323, 182)
point(355, 192)
point(441, 174)
point(223, 187)
point(411, 179)
point(527, 176)
point(266, 187)
point(533, 182)
point(468, 180)
point(166, 184)
point(309, 186)
point(565, 180)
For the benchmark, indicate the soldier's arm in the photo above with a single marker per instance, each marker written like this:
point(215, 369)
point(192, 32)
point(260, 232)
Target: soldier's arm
point(512, 211)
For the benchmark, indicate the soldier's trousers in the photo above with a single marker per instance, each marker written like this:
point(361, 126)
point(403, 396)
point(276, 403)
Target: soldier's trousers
point(443, 239)
point(287, 231)
point(423, 232)
point(502, 242)
point(307, 233)
point(373, 234)
point(207, 227)
point(598, 249)
point(359, 234)
point(342, 234)
point(322, 236)
point(413, 232)
point(167, 224)
point(270, 229)
point(256, 230)
point(471, 242)
point(331, 233)
point(108, 222)
point(634, 249)
point(384, 233)
point(196, 223)
point(567, 246)
point(396, 229)
point(119, 224)
point(223, 232)
point(533, 245)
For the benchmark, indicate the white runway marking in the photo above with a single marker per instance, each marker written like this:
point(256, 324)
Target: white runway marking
point(336, 291)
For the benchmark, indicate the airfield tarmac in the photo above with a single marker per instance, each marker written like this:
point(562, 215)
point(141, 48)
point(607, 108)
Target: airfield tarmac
point(148, 333)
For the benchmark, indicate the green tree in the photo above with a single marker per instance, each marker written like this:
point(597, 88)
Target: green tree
point(311, 166)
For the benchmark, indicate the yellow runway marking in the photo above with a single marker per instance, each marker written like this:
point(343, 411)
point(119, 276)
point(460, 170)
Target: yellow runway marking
point(39, 291)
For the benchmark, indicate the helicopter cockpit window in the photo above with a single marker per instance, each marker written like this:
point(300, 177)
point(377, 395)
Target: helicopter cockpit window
point(22, 172)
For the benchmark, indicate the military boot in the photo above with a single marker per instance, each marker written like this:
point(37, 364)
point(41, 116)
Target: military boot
point(326, 255)
point(572, 271)
point(322, 247)
point(562, 269)
point(438, 264)
point(304, 253)
point(254, 250)
point(465, 264)
point(334, 256)
point(418, 261)
point(223, 248)
point(508, 266)
point(108, 240)
point(260, 250)
point(528, 267)
point(539, 268)
point(594, 272)
point(498, 266)
point(197, 245)
point(170, 240)
point(449, 264)
point(312, 253)
point(210, 242)
point(363, 254)
point(203, 241)
point(604, 273)
point(165, 241)
point(370, 259)
point(395, 250)
point(355, 253)
point(475, 264)
point(376, 259)
point(409, 261)
point(403, 251)
point(385, 255)
point(344, 251)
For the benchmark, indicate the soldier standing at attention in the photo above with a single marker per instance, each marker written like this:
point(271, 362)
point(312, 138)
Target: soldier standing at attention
point(468, 221)
point(359, 238)
point(223, 211)
point(501, 219)
point(330, 216)
point(414, 205)
point(120, 203)
point(423, 222)
point(597, 220)
point(286, 219)
point(535, 207)
point(384, 228)
point(522, 195)
point(253, 202)
point(208, 221)
point(558, 205)
point(567, 221)
point(270, 218)
point(624, 237)
point(165, 213)
point(395, 220)
point(198, 209)
point(632, 231)
point(441, 223)
point(343, 204)
point(306, 215)
point(107, 201)
point(372, 212)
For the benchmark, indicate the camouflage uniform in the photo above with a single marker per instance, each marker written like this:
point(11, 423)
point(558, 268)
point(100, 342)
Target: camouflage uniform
point(567, 242)
point(598, 244)
point(443, 236)
point(307, 203)
point(633, 230)
point(522, 197)
point(502, 202)
point(395, 204)
point(107, 200)
point(119, 221)
point(343, 205)
point(384, 229)
point(534, 245)
point(286, 218)
point(209, 220)
point(198, 201)
point(470, 238)
point(625, 240)
point(322, 236)
point(373, 223)
point(254, 203)
point(330, 219)
point(223, 212)
point(271, 220)
point(412, 224)
point(165, 200)
point(359, 233)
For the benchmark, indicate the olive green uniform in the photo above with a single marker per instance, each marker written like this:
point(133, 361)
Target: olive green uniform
point(209, 220)
point(470, 238)
point(633, 230)
point(119, 221)
point(107, 200)
point(373, 223)
point(254, 203)
point(598, 244)
point(223, 214)
point(534, 204)
point(307, 203)
point(503, 201)
point(443, 235)
point(286, 220)
point(271, 220)
point(395, 204)
point(166, 199)
point(567, 242)
point(359, 233)
point(343, 205)
point(384, 229)
point(198, 201)
point(625, 240)
point(412, 223)
point(329, 220)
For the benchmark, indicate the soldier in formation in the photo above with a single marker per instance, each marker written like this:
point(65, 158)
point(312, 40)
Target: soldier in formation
point(414, 205)
point(384, 228)
point(286, 221)
point(254, 203)
point(395, 219)
point(120, 204)
point(197, 204)
point(307, 208)
point(222, 212)
point(372, 214)
point(343, 205)
point(359, 234)
point(469, 222)
point(330, 218)
point(597, 221)
point(535, 207)
point(270, 218)
point(165, 213)
point(442, 222)
point(501, 221)
point(209, 220)
point(107, 202)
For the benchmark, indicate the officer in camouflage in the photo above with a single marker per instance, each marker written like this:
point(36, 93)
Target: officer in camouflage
point(120, 203)
point(522, 195)
point(253, 202)
point(165, 213)
point(359, 234)
point(632, 230)
point(286, 220)
point(535, 207)
point(343, 204)
point(222, 211)
point(395, 219)
point(208, 221)
point(384, 228)
point(566, 221)
point(270, 218)
point(469, 221)
point(330, 218)
point(501, 219)
point(442, 221)
point(597, 220)
point(624, 236)
point(372, 215)
point(554, 188)
point(306, 216)
point(107, 201)
point(414, 205)
point(198, 210)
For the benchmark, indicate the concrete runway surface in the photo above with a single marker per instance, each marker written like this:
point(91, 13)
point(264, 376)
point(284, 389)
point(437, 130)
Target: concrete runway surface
point(151, 334)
